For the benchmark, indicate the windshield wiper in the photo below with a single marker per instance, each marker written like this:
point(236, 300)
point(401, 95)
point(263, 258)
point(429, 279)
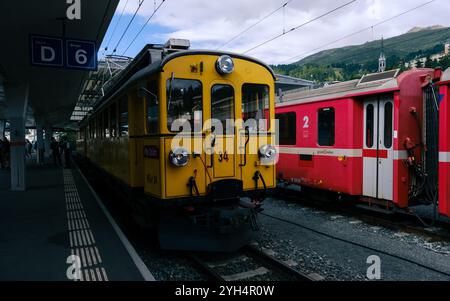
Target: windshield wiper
point(170, 92)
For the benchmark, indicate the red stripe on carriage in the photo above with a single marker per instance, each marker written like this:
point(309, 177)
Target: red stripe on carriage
point(373, 153)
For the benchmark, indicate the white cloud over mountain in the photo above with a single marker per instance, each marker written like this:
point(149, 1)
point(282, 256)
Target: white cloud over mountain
point(210, 23)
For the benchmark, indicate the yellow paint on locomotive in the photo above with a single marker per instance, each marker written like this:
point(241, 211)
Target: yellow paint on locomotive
point(123, 157)
point(175, 179)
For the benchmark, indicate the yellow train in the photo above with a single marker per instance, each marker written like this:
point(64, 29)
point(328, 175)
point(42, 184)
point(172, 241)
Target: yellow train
point(192, 135)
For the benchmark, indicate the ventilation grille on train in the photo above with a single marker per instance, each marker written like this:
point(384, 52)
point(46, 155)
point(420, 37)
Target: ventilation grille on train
point(382, 76)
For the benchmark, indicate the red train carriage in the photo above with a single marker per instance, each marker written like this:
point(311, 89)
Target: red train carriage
point(444, 144)
point(375, 138)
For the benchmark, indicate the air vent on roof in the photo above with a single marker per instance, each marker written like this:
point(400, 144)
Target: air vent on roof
point(178, 44)
point(374, 77)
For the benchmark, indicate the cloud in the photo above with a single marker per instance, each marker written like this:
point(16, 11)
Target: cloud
point(210, 23)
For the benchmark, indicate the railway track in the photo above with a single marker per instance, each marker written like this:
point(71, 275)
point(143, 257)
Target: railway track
point(354, 243)
point(251, 263)
point(409, 222)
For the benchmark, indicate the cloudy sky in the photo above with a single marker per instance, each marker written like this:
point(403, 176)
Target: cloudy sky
point(208, 24)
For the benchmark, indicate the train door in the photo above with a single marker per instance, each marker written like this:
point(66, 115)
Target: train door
point(222, 160)
point(378, 163)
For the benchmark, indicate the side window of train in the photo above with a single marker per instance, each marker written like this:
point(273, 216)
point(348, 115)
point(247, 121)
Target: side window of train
point(152, 108)
point(113, 119)
point(123, 116)
point(106, 123)
point(92, 129)
point(99, 126)
point(326, 124)
point(184, 102)
point(94, 134)
point(287, 128)
point(369, 125)
point(388, 125)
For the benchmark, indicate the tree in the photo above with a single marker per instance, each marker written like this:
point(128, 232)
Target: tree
point(428, 63)
point(444, 63)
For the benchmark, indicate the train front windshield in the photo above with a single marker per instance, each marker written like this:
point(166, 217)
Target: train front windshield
point(184, 101)
point(255, 104)
point(222, 106)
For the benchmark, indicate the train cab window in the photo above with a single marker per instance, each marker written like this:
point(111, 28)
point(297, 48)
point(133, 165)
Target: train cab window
point(99, 126)
point(184, 102)
point(152, 109)
point(326, 127)
point(113, 119)
point(369, 125)
point(255, 105)
point(222, 106)
point(287, 128)
point(388, 125)
point(92, 129)
point(123, 116)
point(106, 123)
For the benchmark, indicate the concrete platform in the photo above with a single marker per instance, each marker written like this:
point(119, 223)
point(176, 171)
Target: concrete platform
point(56, 217)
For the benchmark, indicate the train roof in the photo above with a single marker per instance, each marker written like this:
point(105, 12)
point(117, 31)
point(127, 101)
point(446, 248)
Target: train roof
point(368, 84)
point(142, 66)
point(159, 65)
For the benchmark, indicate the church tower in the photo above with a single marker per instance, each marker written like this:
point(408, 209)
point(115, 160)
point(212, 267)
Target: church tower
point(382, 59)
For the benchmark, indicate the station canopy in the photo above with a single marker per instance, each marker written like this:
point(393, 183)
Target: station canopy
point(53, 92)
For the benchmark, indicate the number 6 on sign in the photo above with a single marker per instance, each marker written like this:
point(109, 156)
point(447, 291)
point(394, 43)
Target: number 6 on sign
point(80, 56)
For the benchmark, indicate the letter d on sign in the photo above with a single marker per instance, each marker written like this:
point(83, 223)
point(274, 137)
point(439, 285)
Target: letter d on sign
point(374, 270)
point(47, 54)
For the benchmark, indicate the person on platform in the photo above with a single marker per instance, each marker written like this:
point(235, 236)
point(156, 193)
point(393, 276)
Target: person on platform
point(54, 146)
point(67, 150)
point(5, 151)
point(1, 153)
point(28, 148)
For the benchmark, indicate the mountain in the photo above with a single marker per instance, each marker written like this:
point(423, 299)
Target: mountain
point(352, 61)
point(418, 28)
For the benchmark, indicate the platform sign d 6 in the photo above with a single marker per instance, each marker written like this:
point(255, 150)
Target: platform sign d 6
point(63, 53)
point(81, 55)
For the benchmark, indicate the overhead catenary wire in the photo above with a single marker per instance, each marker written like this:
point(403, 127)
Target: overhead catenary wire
point(301, 25)
point(129, 23)
point(360, 31)
point(254, 24)
point(143, 26)
point(115, 27)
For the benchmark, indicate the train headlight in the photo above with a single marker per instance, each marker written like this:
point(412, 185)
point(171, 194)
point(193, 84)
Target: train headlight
point(179, 157)
point(225, 64)
point(267, 152)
